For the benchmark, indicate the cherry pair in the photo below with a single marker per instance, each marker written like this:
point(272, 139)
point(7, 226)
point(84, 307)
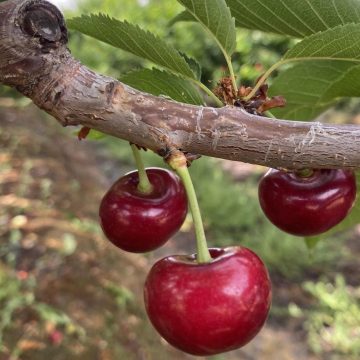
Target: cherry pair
point(302, 204)
point(200, 308)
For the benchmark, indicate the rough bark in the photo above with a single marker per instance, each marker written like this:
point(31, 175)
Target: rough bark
point(35, 60)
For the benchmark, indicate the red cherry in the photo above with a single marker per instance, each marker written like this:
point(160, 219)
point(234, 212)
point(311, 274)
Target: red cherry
point(307, 206)
point(206, 309)
point(138, 222)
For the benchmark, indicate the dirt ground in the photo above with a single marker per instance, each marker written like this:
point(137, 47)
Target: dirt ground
point(50, 188)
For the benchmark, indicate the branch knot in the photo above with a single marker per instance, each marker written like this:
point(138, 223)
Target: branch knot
point(44, 21)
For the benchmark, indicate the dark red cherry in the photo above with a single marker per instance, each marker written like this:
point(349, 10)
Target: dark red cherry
point(307, 206)
point(206, 309)
point(138, 222)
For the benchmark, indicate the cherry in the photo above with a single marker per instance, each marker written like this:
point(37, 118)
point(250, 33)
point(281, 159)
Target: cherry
point(208, 308)
point(307, 205)
point(139, 222)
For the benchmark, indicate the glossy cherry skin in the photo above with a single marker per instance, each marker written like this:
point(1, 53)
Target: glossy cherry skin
point(138, 222)
point(306, 206)
point(207, 309)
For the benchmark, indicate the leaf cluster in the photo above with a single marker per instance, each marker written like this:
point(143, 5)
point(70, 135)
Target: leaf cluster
point(325, 60)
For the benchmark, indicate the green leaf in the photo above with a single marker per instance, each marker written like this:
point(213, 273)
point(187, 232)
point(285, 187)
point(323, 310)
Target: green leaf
point(158, 82)
point(215, 16)
point(294, 18)
point(350, 221)
point(340, 43)
point(311, 87)
point(133, 39)
point(194, 65)
point(183, 16)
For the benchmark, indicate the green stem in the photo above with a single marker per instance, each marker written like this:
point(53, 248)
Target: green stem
point(209, 93)
point(144, 185)
point(304, 173)
point(231, 70)
point(227, 57)
point(262, 80)
point(203, 254)
point(270, 114)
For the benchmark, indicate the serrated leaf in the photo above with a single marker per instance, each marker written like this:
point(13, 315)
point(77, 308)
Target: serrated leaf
point(340, 43)
point(194, 66)
point(215, 16)
point(294, 18)
point(352, 219)
point(133, 39)
point(158, 82)
point(311, 87)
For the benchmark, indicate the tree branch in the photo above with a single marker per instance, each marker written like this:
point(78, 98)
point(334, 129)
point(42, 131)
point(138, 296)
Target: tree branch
point(35, 60)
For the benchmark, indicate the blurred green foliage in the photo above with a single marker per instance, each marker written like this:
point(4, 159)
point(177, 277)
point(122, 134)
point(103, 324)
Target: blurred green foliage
point(6, 91)
point(14, 295)
point(17, 295)
point(333, 322)
point(123, 296)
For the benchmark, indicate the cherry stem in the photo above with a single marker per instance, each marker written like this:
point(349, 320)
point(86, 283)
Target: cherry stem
point(203, 254)
point(304, 173)
point(144, 185)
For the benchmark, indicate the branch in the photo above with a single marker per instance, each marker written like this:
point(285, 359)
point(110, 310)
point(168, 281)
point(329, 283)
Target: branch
point(35, 60)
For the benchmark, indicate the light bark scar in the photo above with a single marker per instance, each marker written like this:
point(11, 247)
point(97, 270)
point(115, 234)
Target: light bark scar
point(133, 118)
point(243, 132)
point(190, 139)
point(339, 156)
point(268, 150)
point(216, 135)
point(214, 111)
point(116, 94)
point(200, 114)
point(315, 130)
